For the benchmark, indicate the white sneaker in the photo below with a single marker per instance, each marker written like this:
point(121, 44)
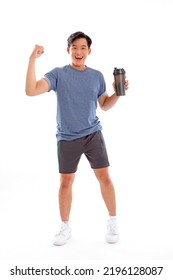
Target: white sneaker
point(63, 235)
point(112, 232)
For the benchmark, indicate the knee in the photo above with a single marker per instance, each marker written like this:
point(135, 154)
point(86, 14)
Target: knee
point(104, 179)
point(66, 180)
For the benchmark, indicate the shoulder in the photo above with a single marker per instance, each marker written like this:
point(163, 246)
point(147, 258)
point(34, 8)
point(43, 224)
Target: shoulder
point(60, 69)
point(95, 72)
point(56, 71)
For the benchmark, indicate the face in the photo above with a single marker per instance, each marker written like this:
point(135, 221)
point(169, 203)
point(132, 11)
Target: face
point(79, 51)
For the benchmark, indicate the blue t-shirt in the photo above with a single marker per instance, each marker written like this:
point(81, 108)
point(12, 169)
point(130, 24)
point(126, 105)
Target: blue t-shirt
point(77, 94)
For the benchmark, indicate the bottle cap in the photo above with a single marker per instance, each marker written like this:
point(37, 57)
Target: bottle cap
point(118, 71)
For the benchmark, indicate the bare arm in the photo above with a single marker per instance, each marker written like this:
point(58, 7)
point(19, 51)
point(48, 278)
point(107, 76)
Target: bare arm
point(107, 102)
point(32, 86)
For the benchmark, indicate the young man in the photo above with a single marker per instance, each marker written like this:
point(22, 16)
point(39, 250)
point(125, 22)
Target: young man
point(78, 89)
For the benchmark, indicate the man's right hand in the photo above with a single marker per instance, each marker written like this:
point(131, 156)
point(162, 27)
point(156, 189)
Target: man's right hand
point(37, 52)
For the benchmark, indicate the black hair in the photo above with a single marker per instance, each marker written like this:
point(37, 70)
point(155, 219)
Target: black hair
point(78, 35)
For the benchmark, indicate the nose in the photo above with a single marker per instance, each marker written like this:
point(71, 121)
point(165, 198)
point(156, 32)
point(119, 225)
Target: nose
point(78, 51)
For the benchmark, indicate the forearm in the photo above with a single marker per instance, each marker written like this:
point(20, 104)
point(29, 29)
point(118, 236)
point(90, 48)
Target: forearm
point(30, 78)
point(109, 102)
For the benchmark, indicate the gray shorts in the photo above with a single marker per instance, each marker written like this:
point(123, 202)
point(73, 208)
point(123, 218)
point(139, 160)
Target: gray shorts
point(92, 145)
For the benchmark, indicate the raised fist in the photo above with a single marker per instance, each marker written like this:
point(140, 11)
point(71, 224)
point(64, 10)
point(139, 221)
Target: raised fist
point(37, 52)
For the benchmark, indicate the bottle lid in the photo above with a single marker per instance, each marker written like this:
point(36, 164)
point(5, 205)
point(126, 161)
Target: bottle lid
point(119, 71)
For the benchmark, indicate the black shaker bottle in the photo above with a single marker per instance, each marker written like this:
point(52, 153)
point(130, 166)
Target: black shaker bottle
point(119, 77)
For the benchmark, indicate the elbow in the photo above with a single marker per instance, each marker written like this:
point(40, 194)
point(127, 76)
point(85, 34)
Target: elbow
point(28, 92)
point(105, 108)
point(104, 104)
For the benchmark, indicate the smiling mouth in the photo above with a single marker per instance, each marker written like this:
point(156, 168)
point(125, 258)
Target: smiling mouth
point(78, 58)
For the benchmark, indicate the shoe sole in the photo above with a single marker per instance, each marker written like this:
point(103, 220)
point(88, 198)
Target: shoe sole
point(112, 242)
point(61, 244)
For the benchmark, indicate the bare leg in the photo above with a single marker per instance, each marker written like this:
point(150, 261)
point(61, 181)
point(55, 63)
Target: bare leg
point(107, 189)
point(65, 195)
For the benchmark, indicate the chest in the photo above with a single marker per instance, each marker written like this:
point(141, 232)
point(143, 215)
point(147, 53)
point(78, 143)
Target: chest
point(71, 86)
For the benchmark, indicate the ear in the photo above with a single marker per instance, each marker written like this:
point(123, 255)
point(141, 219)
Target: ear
point(89, 51)
point(68, 50)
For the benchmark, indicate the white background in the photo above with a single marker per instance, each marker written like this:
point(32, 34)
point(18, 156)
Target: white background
point(135, 35)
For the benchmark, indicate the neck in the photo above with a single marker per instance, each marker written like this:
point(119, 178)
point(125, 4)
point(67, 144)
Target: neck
point(80, 68)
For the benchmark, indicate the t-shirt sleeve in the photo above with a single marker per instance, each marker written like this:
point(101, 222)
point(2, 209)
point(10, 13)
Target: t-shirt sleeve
point(52, 78)
point(102, 90)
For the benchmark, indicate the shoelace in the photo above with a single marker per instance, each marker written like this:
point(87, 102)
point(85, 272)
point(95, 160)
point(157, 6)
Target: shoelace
point(113, 228)
point(62, 231)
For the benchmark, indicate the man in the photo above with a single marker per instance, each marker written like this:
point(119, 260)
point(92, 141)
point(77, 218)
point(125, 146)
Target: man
point(78, 89)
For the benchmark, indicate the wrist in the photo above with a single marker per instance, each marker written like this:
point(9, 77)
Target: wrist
point(32, 59)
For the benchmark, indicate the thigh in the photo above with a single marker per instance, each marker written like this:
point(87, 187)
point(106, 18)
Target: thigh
point(95, 151)
point(69, 153)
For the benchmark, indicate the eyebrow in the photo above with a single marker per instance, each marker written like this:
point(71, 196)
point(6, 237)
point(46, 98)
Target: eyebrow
point(73, 45)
